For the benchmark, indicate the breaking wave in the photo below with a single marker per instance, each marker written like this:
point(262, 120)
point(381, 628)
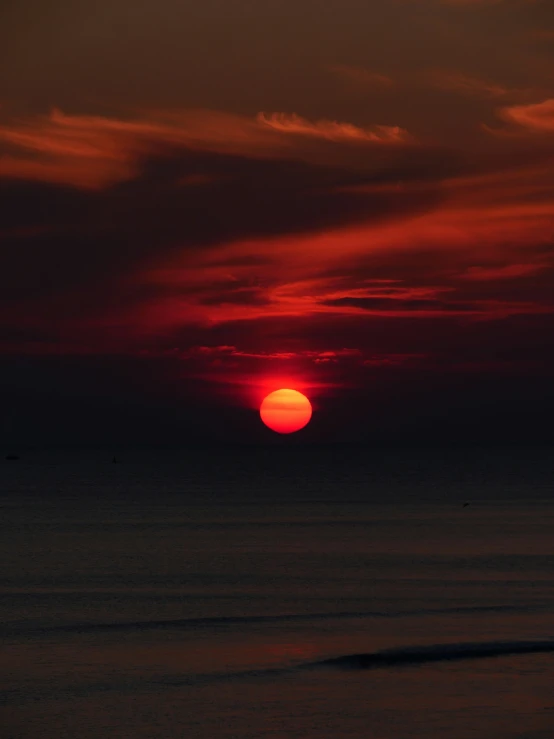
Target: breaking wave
point(401, 656)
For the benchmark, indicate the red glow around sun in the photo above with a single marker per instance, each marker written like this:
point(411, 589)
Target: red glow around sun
point(285, 411)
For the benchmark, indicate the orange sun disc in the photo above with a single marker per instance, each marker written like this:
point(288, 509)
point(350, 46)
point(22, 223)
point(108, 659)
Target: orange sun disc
point(285, 411)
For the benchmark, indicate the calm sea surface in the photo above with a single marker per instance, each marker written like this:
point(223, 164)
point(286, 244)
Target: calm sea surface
point(199, 594)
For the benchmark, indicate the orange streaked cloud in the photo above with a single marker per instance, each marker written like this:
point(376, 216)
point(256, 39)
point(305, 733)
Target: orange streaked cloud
point(332, 130)
point(536, 117)
point(95, 152)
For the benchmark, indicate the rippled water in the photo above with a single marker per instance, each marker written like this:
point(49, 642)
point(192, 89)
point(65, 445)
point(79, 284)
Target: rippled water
point(277, 593)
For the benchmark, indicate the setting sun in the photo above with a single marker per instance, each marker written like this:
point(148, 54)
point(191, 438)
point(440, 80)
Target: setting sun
point(286, 411)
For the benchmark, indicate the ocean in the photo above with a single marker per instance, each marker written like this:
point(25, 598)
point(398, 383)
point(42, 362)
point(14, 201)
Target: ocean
point(283, 592)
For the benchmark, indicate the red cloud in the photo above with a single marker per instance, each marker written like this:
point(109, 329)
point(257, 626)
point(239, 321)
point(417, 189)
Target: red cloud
point(421, 262)
point(503, 272)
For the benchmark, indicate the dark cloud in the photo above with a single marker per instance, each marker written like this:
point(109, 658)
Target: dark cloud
point(448, 343)
point(238, 296)
point(422, 266)
point(535, 287)
point(88, 238)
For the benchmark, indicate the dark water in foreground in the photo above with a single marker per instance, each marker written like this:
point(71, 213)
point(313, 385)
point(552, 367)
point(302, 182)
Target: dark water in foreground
point(279, 593)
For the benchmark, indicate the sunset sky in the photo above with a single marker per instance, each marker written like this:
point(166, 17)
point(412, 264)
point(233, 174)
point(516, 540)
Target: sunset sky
point(201, 202)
